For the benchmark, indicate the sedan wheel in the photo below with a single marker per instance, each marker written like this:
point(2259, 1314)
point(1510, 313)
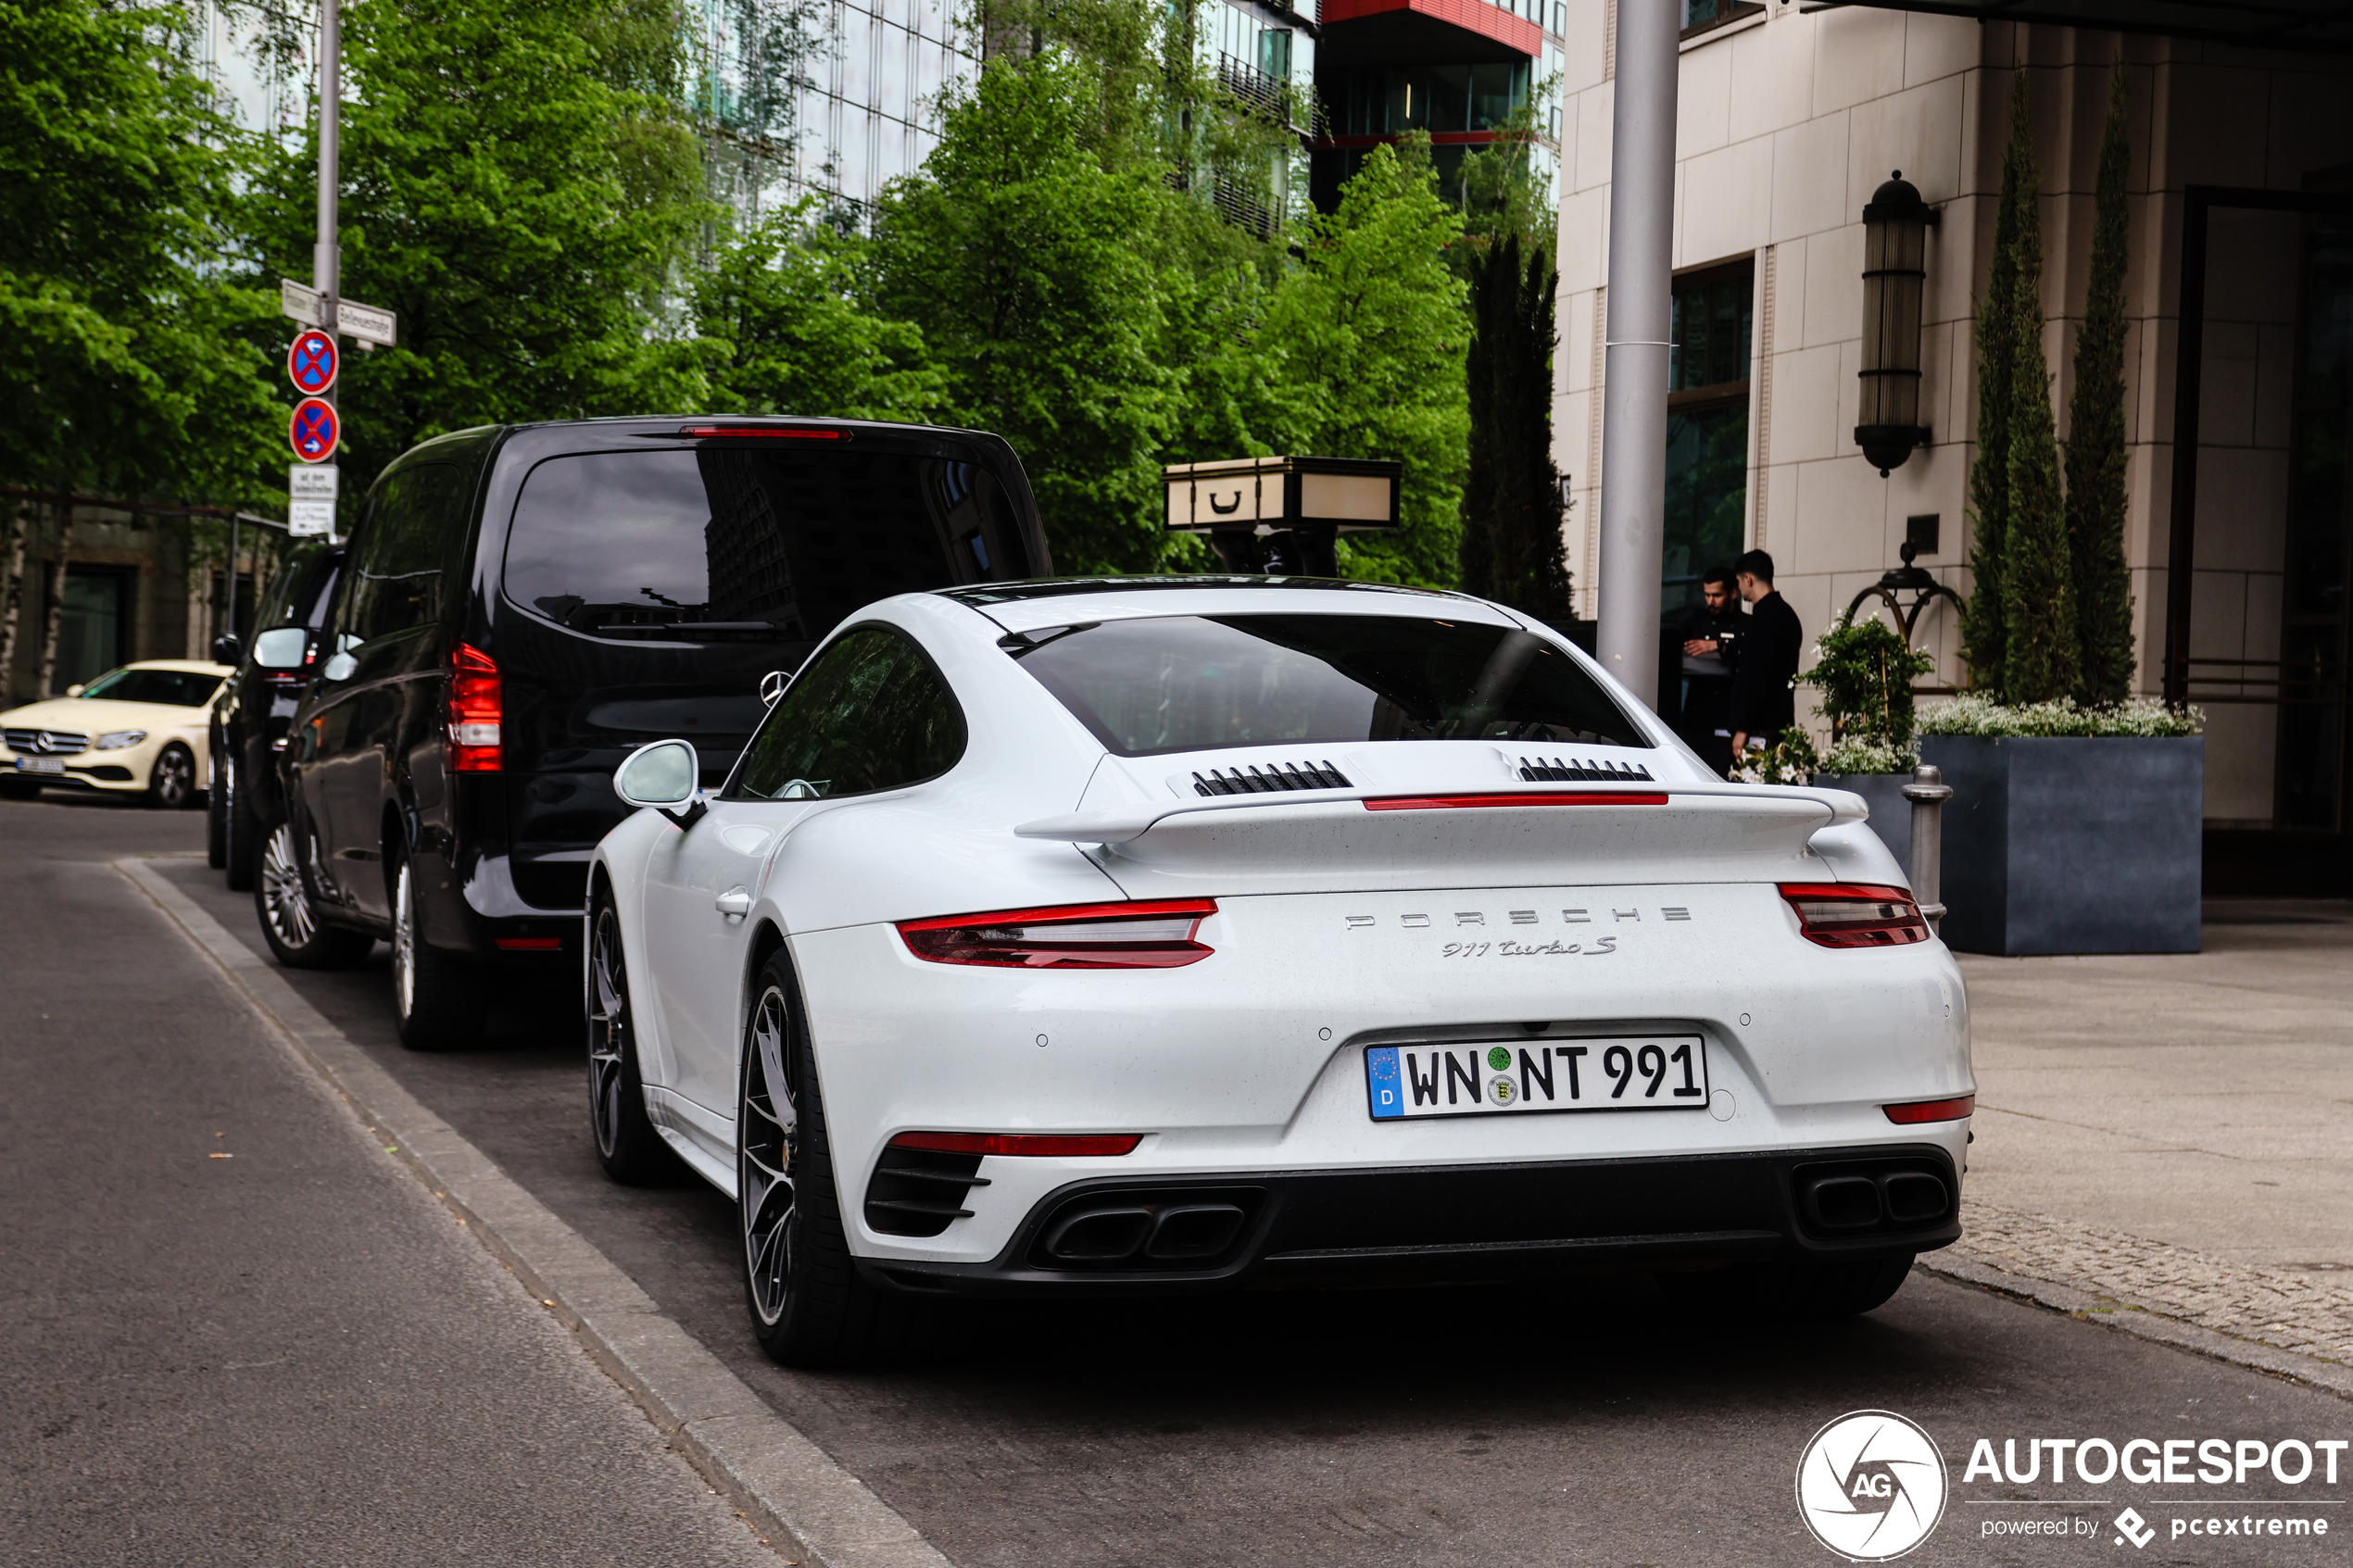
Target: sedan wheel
point(631, 1150)
point(173, 784)
point(290, 922)
point(810, 1306)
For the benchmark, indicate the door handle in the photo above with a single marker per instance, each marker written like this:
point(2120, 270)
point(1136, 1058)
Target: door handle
point(735, 903)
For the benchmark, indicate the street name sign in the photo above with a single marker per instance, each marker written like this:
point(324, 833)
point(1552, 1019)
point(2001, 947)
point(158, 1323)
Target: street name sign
point(306, 482)
point(314, 430)
point(365, 322)
point(307, 520)
point(311, 362)
point(299, 303)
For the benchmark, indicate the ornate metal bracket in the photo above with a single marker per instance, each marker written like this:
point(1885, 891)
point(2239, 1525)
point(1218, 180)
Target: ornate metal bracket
point(1916, 579)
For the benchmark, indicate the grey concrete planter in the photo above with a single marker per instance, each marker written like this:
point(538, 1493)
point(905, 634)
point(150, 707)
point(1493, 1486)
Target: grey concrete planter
point(2072, 844)
point(1891, 814)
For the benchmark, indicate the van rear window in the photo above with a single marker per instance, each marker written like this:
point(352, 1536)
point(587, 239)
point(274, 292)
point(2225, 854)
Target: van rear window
point(723, 540)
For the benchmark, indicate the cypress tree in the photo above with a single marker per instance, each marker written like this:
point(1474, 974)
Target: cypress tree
point(2096, 438)
point(1512, 550)
point(1984, 623)
point(2038, 568)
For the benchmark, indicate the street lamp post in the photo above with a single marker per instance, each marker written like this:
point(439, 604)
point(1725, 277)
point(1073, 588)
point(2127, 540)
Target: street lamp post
point(1642, 233)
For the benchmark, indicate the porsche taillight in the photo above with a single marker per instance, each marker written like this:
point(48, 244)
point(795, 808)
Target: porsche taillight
point(1838, 914)
point(474, 711)
point(1155, 935)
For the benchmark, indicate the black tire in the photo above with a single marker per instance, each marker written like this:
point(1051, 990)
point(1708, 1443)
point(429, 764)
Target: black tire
point(19, 789)
point(437, 996)
point(242, 848)
point(287, 907)
point(172, 784)
point(1798, 1290)
point(215, 818)
point(627, 1146)
point(809, 1307)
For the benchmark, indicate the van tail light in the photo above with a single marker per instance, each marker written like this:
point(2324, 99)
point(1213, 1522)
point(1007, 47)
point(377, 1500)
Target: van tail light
point(1839, 914)
point(1031, 1145)
point(474, 711)
point(1142, 935)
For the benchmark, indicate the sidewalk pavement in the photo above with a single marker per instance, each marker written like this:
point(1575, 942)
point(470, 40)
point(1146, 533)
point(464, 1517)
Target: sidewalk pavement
point(2174, 1132)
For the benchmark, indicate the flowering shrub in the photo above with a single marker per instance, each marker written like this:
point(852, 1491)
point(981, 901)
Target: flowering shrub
point(1971, 714)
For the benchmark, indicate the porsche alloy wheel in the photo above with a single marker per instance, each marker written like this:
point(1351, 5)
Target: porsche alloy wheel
point(768, 1140)
point(631, 1150)
point(281, 898)
point(810, 1306)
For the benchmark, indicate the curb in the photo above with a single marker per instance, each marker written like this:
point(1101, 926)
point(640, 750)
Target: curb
point(2146, 1321)
point(787, 1486)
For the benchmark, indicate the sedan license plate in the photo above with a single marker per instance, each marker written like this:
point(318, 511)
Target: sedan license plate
point(1497, 1078)
point(41, 765)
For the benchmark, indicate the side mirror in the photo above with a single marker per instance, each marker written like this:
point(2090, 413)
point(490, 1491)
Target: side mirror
point(280, 647)
point(74, 690)
point(227, 649)
point(662, 775)
point(772, 686)
point(340, 668)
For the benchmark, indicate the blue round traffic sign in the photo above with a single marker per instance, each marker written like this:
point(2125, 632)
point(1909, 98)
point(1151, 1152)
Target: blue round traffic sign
point(314, 430)
point(313, 362)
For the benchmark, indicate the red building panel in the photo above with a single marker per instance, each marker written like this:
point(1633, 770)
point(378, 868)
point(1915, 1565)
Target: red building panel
point(1473, 15)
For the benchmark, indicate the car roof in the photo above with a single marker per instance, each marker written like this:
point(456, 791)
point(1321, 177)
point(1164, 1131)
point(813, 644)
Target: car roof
point(198, 666)
point(1022, 606)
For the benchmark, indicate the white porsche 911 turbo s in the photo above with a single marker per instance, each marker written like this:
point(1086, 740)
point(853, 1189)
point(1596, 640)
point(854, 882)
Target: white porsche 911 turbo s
point(1179, 933)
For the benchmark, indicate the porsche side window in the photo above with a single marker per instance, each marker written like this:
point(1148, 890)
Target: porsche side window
point(868, 713)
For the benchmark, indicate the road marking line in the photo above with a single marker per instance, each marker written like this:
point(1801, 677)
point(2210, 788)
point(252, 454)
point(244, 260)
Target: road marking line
point(790, 1488)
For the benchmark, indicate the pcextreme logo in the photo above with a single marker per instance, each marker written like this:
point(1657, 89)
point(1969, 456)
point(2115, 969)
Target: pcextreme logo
point(1870, 1485)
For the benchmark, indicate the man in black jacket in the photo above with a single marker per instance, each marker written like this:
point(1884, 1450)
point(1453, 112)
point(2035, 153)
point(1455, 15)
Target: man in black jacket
point(1763, 701)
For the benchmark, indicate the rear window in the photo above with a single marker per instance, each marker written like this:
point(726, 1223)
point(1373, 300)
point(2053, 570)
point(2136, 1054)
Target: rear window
point(1190, 683)
point(171, 688)
point(781, 543)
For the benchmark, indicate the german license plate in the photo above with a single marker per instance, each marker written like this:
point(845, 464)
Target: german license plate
point(41, 765)
point(1506, 1078)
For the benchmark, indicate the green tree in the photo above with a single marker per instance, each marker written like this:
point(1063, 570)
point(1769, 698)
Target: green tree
point(1038, 278)
point(2037, 568)
point(2095, 503)
point(787, 318)
point(1984, 621)
point(1366, 338)
point(1503, 195)
point(521, 188)
point(1512, 550)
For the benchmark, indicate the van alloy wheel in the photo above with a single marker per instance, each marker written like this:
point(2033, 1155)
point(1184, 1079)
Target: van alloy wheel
point(404, 945)
point(286, 903)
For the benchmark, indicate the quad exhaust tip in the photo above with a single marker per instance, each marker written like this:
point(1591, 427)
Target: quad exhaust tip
point(1175, 1235)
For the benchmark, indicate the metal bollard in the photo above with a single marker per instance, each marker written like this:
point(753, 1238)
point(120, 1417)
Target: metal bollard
point(1928, 792)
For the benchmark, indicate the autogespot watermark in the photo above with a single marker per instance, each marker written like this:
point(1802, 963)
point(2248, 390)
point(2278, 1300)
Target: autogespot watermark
point(1872, 1484)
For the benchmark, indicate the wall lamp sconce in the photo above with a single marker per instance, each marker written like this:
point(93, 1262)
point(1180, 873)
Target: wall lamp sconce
point(1896, 229)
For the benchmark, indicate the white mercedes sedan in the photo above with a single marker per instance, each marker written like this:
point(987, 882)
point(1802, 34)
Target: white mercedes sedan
point(1166, 934)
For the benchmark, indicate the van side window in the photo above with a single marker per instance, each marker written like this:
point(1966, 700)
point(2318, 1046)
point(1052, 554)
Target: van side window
point(868, 713)
point(399, 562)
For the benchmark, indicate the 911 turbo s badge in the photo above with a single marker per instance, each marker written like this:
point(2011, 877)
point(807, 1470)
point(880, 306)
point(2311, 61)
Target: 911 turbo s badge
point(1527, 949)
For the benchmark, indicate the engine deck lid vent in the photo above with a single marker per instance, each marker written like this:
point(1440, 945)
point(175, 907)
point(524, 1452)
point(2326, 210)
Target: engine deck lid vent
point(1276, 779)
point(1558, 769)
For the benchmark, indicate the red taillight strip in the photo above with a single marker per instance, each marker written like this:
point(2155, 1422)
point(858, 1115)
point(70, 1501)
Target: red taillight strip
point(1065, 914)
point(1918, 1111)
point(1531, 797)
point(1812, 902)
point(1032, 1145)
point(702, 432)
point(529, 944)
point(1066, 935)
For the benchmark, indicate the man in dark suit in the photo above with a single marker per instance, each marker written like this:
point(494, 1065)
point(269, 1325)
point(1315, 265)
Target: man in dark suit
point(1711, 642)
point(1763, 702)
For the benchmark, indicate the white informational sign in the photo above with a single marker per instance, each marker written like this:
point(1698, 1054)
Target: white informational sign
point(296, 301)
point(365, 322)
point(307, 520)
point(313, 482)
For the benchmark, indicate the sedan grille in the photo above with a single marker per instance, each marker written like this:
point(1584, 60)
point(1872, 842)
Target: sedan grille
point(46, 742)
point(1556, 770)
point(1266, 781)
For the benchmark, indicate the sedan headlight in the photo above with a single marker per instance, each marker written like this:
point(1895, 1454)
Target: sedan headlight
point(116, 739)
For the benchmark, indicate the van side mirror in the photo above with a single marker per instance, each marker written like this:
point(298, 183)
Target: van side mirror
point(662, 775)
point(227, 649)
point(280, 647)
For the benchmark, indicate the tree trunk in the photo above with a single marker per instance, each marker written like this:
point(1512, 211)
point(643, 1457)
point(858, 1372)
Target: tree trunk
point(57, 604)
point(11, 612)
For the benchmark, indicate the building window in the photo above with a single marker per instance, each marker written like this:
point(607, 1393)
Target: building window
point(1706, 16)
point(1706, 428)
point(1274, 53)
point(2316, 637)
point(94, 628)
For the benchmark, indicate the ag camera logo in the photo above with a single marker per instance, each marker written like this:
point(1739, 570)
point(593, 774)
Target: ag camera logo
point(1870, 1485)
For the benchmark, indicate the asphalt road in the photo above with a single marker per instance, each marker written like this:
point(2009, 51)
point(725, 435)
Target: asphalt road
point(1582, 1421)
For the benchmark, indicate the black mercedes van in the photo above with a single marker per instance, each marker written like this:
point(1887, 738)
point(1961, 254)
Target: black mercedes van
point(249, 717)
point(522, 605)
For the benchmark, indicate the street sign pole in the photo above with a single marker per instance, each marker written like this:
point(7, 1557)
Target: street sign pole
point(326, 260)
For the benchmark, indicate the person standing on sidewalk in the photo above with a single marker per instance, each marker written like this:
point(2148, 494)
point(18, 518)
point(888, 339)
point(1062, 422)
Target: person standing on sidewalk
point(1763, 702)
point(1711, 652)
